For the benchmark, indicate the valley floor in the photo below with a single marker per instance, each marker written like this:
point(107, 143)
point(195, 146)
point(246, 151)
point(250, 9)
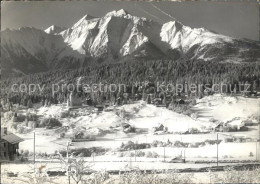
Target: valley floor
point(106, 127)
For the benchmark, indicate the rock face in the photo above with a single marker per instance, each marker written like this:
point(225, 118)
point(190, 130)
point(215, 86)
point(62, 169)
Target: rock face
point(116, 36)
point(30, 50)
point(54, 29)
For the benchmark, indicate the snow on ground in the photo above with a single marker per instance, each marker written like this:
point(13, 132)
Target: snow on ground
point(144, 117)
point(232, 110)
point(53, 110)
point(225, 108)
point(231, 150)
point(196, 177)
point(147, 116)
point(107, 166)
point(150, 116)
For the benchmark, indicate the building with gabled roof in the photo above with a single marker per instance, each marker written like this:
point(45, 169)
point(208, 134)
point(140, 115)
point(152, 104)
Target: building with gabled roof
point(9, 145)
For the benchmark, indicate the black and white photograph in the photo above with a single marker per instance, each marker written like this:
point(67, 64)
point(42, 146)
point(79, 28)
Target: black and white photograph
point(130, 92)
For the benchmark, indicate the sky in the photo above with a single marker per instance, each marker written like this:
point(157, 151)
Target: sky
point(233, 18)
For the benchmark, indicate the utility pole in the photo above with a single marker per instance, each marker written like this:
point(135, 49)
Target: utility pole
point(217, 149)
point(135, 153)
point(256, 150)
point(164, 153)
point(259, 139)
point(163, 149)
point(184, 155)
point(130, 162)
point(34, 151)
point(136, 142)
point(257, 142)
point(68, 164)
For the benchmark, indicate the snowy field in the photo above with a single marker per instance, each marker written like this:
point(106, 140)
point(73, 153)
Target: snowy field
point(106, 127)
point(224, 108)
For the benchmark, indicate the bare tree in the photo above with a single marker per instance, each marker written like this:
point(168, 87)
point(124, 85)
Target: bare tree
point(75, 168)
point(78, 169)
point(40, 176)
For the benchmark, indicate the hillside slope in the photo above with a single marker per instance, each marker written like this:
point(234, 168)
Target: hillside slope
point(114, 37)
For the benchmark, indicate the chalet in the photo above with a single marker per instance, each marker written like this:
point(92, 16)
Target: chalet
point(127, 128)
point(243, 128)
point(80, 136)
point(160, 127)
point(9, 145)
point(177, 160)
point(218, 127)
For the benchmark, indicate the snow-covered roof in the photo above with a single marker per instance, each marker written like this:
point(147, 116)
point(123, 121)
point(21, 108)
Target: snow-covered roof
point(11, 138)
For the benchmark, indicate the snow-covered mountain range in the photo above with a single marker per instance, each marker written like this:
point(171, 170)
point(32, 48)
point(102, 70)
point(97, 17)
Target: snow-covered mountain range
point(114, 37)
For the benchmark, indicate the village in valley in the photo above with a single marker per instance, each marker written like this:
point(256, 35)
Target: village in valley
point(141, 92)
point(146, 130)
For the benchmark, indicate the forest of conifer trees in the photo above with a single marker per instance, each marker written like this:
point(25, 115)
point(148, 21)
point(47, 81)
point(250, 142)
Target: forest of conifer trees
point(133, 74)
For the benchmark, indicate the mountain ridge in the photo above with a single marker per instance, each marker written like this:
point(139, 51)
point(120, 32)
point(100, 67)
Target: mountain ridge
point(117, 36)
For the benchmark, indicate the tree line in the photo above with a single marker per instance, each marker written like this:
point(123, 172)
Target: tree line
point(140, 77)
